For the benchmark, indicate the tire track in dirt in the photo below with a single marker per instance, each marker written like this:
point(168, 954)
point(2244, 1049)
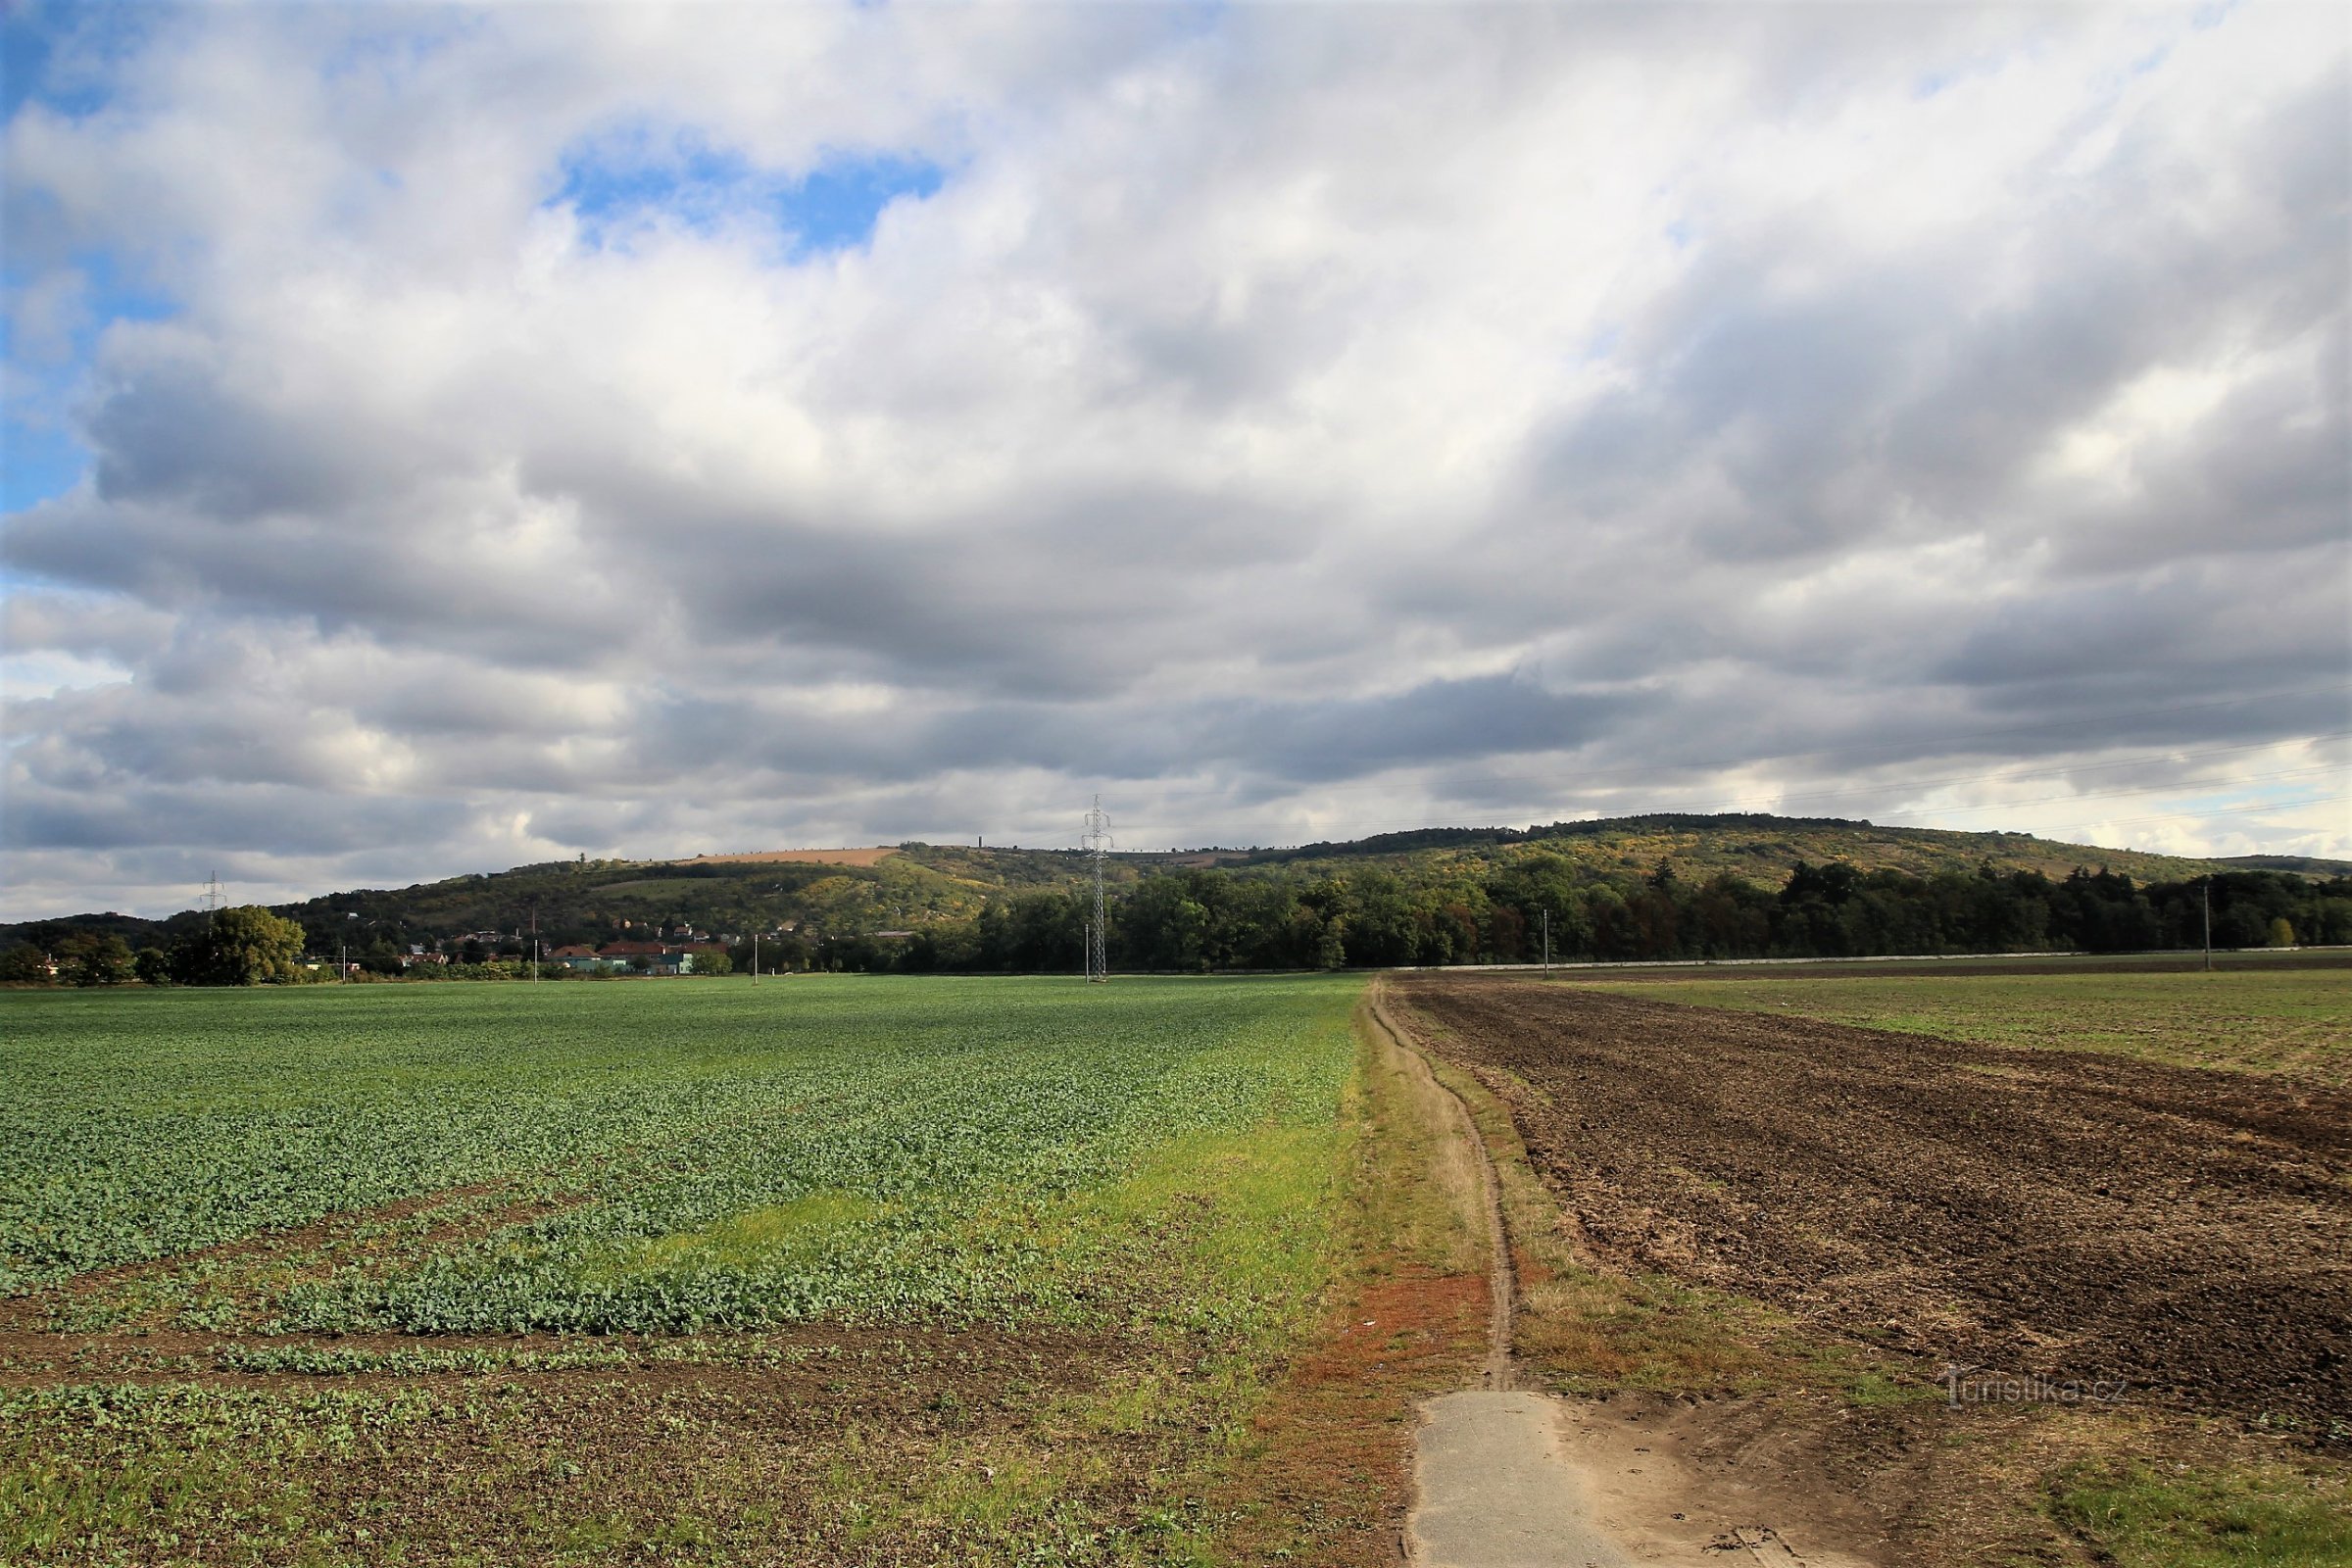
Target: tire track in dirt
point(1502, 1283)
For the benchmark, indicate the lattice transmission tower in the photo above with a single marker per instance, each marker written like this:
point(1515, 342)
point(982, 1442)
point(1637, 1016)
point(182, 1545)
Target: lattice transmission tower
point(1098, 842)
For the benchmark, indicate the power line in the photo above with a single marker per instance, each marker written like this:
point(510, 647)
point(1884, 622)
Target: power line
point(2219, 811)
point(1746, 803)
point(1644, 770)
point(1699, 809)
point(2004, 775)
point(2181, 787)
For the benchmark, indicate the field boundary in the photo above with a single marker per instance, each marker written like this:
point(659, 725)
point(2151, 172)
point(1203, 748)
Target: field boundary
point(1502, 1279)
point(2043, 954)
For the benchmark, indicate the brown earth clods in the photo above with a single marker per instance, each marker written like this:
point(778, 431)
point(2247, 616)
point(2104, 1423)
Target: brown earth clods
point(2075, 1219)
point(2234, 960)
point(651, 1461)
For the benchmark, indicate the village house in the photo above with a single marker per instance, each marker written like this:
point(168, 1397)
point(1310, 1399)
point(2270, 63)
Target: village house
point(653, 958)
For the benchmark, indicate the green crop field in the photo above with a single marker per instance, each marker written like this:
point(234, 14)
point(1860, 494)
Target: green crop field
point(896, 1269)
point(2296, 1021)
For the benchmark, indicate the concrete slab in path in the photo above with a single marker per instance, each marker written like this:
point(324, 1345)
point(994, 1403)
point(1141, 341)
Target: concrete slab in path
point(1497, 1491)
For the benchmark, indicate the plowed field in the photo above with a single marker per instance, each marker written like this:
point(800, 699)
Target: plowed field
point(2070, 1216)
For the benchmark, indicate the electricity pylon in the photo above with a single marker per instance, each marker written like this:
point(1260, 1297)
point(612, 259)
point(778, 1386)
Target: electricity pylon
point(1098, 842)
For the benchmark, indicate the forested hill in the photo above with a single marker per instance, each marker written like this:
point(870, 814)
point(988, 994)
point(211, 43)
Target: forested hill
point(1665, 885)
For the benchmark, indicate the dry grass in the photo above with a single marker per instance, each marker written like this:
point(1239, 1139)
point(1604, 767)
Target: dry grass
point(1328, 1477)
point(796, 857)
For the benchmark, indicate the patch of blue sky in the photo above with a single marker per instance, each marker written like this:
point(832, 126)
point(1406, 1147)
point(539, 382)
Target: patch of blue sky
point(60, 52)
point(836, 207)
point(41, 460)
point(614, 186)
point(24, 59)
point(40, 455)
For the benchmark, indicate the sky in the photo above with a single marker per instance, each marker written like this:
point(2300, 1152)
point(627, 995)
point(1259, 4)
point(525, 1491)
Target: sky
point(441, 438)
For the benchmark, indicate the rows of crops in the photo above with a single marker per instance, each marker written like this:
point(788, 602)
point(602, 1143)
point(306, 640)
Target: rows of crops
point(688, 1155)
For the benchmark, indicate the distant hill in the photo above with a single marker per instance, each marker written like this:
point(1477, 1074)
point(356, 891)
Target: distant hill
point(919, 885)
point(1764, 849)
point(2299, 865)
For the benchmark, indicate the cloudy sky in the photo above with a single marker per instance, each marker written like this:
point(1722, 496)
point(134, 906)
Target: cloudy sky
point(440, 439)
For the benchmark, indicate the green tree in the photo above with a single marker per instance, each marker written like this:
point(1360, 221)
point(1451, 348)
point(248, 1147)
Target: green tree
point(94, 958)
point(244, 946)
point(714, 963)
point(25, 965)
point(153, 966)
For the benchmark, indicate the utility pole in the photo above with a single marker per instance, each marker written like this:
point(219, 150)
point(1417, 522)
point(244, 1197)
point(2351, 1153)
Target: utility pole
point(534, 944)
point(2205, 893)
point(1546, 944)
point(754, 958)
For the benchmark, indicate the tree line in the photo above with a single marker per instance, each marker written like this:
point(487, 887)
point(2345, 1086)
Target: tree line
point(1209, 919)
point(1201, 919)
point(242, 946)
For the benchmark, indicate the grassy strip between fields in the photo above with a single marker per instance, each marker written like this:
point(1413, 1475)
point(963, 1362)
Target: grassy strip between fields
point(1324, 1476)
point(2024, 1485)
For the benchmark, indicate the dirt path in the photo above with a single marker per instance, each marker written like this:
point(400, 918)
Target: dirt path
point(1517, 1478)
point(1501, 1285)
point(1493, 1485)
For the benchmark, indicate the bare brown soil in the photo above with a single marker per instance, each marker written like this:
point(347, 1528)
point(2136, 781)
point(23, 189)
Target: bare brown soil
point(2068, 1216)
point(797, 857)
point(1331, 1478)
point(668, 1460)
point(2183, 963)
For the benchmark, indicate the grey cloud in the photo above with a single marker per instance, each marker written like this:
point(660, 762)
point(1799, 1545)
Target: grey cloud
point(262, 819)
point(175, 434)
point(2269, 470)
point(2166, 631)
point(408, 569)
point(1209, 425)
point(73, 624)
